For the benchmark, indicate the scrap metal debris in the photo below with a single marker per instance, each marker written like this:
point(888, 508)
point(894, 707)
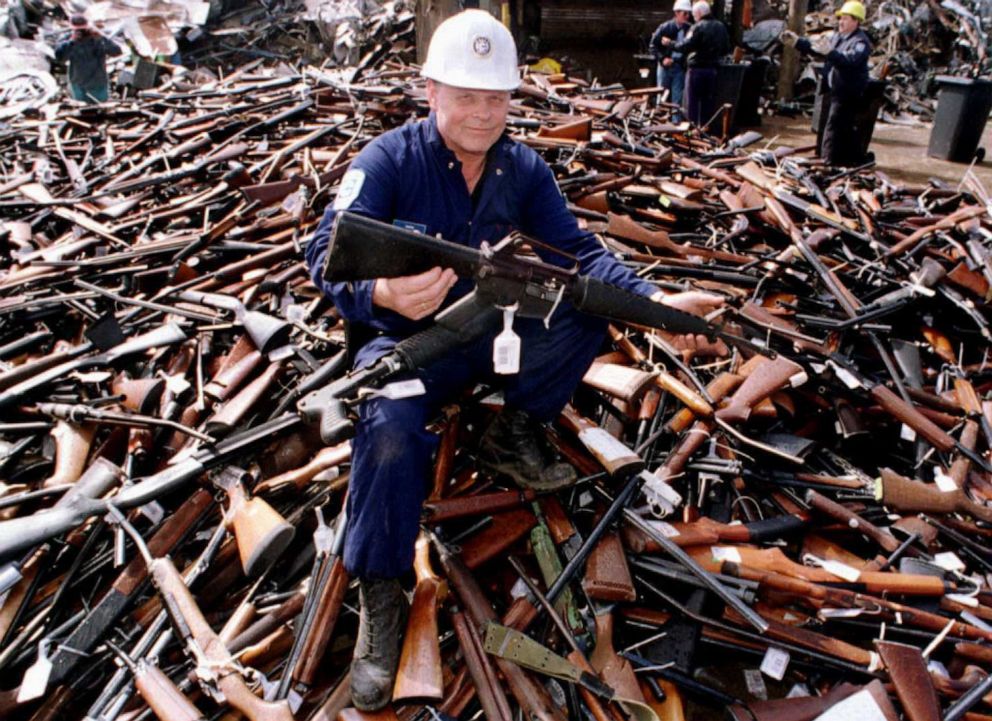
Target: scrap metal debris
point(794, 527)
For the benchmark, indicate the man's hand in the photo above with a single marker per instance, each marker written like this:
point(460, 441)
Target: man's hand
point(666, 63)
point(666, 41)
point(699, 303)
point(414, 296)
point(696, 302)
point(789, 38)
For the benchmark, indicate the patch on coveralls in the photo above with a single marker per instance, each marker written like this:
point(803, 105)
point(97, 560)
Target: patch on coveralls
point(410, 225)
point(859, 47)
point(351, 186)
point(481, 46)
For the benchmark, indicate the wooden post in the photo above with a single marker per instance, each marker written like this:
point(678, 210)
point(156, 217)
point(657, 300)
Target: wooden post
point(789, 70)
point(430, 14)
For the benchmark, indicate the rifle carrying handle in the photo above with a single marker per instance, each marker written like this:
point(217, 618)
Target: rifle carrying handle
point(335, 426)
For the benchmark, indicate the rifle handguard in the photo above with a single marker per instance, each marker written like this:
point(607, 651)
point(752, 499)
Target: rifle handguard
point(595, 297)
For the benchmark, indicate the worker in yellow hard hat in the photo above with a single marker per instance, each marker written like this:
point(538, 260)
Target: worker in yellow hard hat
point(846, 71)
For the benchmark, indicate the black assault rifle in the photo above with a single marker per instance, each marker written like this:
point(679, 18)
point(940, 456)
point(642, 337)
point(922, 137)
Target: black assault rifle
point(505, 274)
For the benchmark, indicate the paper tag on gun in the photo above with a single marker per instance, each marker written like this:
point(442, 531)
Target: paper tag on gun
point(775, 663)
point(401, 389)
point(506, 346)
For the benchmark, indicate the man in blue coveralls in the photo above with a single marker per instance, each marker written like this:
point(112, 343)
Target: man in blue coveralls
point(86, 51)
point(459, 175)
point(845, 68)
point(671, 63)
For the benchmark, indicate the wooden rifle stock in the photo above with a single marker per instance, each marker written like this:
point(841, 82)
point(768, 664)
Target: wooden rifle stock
point(772, 559)
point(491, 697)
point(804, 708)
point(72, 448)
point(232, 375)
point(962, 464)
point(908, 414)
point(618, 460)
point(824, 505)
point(327, 457)
point(141, 395)
point(812, 640)
point(445, 457)
point(718, 389)
point(419, 672)
point(506, 529)
point(765, 379)
point(616, 671)
point(532, 697)
point(231, 413)
point(182, 607)
point(320, 631)
point(446, 509)
point(262, 534)
point(163, 697)
point(618, 381)
point(904, 494)
point(909, 674)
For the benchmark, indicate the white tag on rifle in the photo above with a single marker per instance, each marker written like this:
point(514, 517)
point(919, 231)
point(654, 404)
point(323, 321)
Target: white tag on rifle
point(775, 663)
point(506, 346)
point(35, 679)
point(402, 389)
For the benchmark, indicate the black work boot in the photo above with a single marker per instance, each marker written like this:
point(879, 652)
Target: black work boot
point(510, 446)
point(377, 650)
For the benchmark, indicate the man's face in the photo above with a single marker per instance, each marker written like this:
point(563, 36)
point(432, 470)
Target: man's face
point(470, 121)
point(847, 24)
point(682, 16)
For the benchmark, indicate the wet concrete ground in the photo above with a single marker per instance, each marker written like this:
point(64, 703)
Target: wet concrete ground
point(899, 150)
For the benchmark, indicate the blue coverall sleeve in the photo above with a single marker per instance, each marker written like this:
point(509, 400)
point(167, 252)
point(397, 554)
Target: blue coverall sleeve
point(655, 44)
point(854, 55)
point(110, 47)
point(365, 190)
point(687, 44)
point(546, 217)
point(62, 50)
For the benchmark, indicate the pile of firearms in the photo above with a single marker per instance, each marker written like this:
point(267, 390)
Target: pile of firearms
point(794, 529)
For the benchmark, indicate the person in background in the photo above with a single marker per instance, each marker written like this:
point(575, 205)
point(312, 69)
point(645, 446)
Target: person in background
point(456, 174)
point(86, 52)
point(845, 69)
point(704, 47)
point(671, 64)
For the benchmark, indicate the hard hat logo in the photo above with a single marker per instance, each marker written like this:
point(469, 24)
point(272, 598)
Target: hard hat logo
point(481, 46)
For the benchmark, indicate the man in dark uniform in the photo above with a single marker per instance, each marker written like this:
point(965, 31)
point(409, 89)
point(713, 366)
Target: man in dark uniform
point(846, 71)
point(457, 174)
point(705, 45)
point(86, 51)
point(671, 64)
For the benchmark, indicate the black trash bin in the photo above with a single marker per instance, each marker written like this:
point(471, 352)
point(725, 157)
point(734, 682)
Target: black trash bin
point(729, 79)
point(746, 115)
point(864, 119)
point(963, 106)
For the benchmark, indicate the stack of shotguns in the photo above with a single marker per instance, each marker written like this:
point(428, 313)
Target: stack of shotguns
point(793, 527)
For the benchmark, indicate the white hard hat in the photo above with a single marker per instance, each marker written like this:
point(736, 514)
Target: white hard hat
point(473, 50)
point(685, 5)
point(702, 7)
